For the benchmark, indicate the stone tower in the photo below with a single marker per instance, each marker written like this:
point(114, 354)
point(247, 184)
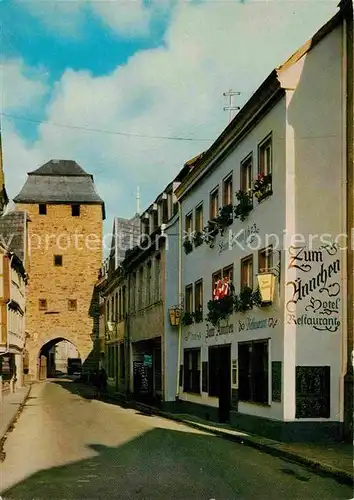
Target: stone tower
point(65, 253)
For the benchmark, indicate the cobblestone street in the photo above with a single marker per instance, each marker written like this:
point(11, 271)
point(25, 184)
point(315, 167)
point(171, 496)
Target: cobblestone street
point(67, 446)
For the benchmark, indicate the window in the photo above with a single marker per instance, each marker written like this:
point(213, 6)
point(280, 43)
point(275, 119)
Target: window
point(155, 220)
point(124, 294)
point(215, 278)
point(157, 284)
point(191, 364)
point(42, 209)
point(227, 191)
point(164, 209)
point(199, 218)
point(228, 272)
point(75, 210)
point(42, 303)
point(148, 284)
point(58, 260)
point(189, 299)
point(214, 204)
point(247, 272)
point(265, 260)
point(198, 297)
point(246, 173)
point(253, 362)
point(140, 288)
point(121, 362)
point(189, 224)
point(72, 304)
point(265, 157)
point(133, 292)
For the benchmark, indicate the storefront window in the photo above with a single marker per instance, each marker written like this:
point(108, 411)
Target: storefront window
point(253, 359)
point(191, 364)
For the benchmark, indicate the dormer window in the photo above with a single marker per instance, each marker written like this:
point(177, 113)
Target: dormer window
point(75, 210)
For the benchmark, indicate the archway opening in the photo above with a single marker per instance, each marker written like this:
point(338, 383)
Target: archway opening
point(57, 358)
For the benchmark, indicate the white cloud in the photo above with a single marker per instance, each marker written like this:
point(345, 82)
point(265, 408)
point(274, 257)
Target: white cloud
point(175, 90)
point(21, 88)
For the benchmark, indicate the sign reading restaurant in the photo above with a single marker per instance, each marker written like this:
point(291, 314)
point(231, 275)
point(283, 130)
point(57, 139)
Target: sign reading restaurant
point(314, 292)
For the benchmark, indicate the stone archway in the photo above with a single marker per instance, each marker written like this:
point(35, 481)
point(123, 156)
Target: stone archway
point(36, 344)
point(47, 364)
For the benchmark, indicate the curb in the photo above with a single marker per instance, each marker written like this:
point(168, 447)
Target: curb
point(12, 422)
point(272, 449)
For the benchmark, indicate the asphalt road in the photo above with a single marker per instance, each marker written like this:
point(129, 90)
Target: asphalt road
point(67, 446)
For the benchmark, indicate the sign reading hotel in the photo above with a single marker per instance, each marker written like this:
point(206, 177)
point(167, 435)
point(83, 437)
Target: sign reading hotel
point(314, 293)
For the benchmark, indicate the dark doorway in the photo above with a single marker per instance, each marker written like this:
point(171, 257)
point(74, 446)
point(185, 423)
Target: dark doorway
point(220, 378)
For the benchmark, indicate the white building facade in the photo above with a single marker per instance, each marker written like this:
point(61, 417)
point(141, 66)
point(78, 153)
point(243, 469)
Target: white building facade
point(276, 369)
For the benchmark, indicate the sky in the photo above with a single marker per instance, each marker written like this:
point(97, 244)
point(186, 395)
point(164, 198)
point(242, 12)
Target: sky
point(132, 89)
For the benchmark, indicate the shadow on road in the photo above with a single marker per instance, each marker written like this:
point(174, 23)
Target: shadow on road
point(163, 463)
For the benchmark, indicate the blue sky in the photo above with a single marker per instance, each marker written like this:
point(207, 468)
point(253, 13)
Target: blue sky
point(154, 69)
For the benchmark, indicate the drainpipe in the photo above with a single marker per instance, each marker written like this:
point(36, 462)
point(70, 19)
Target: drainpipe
point(179, 294)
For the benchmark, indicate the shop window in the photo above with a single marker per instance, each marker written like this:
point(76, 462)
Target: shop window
point(247, 272)
point(265, 260)
point(121, 362)
point(227, 191)
point(191, 369)
point(214, 203)
point(246, 173)
point(253, 360)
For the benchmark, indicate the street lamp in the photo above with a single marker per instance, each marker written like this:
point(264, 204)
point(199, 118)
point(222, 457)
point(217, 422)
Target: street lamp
point(266, 284)
point(175, 315)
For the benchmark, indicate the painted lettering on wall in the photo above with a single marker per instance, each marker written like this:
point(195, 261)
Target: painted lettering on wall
point(249, 323)
point(314, 294)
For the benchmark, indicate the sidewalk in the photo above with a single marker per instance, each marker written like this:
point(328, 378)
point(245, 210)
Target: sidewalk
point(9, 407)
point(334, 459)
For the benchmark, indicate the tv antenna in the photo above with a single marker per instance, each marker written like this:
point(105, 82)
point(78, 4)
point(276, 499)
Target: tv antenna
point(230, 108)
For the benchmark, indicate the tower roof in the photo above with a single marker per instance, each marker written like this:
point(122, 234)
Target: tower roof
point(61, 168)
point(59, 181)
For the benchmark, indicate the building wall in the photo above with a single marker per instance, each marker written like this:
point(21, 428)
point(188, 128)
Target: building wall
point(266, 218)
point(63, 351)
point(317, 189)
point(309, 183)
point(15, 318)
point(56, 234)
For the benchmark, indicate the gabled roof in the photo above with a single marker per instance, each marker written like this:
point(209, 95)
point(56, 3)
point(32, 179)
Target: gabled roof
point(61, 167)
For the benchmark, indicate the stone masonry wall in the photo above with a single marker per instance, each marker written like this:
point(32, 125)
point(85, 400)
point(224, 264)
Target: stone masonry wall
point(79, 241)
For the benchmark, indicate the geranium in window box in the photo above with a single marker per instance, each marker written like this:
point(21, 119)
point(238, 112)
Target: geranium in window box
point(244, 301)
point(198, 238)
point(187, 245)
point(225, 217)
point(187, 319)
point(198, 316)
point(220, 309)
point(244, 206)
point(262, 186)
